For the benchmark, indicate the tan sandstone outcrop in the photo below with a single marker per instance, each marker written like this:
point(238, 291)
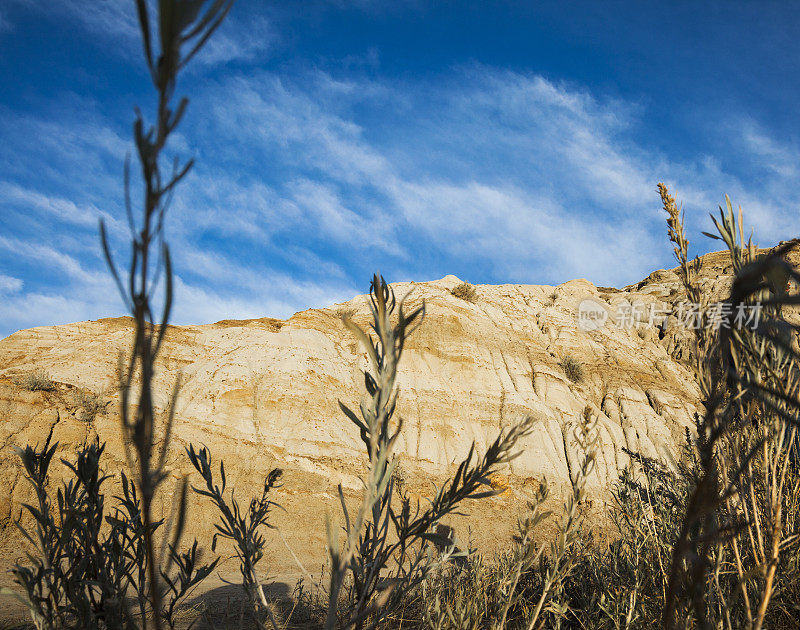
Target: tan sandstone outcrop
point(263, 393)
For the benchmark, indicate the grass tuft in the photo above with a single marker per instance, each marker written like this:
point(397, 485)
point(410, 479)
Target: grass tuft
point(90, 404)
point(572, 368)
point(466, 292)
point(38, 381)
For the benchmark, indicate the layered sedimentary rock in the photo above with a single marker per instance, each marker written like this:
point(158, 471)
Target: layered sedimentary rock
point(263, 393)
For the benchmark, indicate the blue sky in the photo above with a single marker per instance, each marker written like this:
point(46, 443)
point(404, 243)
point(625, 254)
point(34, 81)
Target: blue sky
point(498, 141)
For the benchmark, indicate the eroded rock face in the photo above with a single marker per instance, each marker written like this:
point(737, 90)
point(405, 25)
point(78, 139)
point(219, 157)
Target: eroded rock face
point(263, 393)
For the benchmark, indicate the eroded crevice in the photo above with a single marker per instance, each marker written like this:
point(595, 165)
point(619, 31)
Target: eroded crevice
point(533, 376)
point(654, 403)
point(8, 519)
point(53, 426)
point(508, 371)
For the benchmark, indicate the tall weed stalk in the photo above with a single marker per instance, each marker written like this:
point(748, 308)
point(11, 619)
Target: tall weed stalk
point(389, 549)
point(81, 576)
point(749, 381)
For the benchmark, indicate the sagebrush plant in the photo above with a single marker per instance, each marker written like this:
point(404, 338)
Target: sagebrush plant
point(389, 549)
point(241, 527)
point(38, 381)
point(527, 551)
point(89, 561)
point(570, 528)
point(525, 586)
point(90, 404)
point(182, 29)
point(466, 292)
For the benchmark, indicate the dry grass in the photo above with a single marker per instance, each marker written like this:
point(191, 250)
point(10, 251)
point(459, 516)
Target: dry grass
point(572, 368)
point(466, 292)
point(90, 404)
point(37, 381)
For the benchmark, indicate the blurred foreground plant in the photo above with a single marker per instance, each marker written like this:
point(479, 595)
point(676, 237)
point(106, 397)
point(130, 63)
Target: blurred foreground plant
point(749, 382)
point(183, 28)
point(79, 577)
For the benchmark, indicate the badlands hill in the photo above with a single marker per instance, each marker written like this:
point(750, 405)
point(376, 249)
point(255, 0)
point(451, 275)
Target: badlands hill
point(263, 393)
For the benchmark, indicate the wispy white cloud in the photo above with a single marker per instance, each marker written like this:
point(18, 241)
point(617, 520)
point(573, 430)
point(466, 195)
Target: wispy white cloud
point(237, 41)
point(519, 236)
point(272, 114)
point(58, 289)
point(277, 295)
point(308, 180)
point(54, 206)
point(327, 215)
point(38, 308)
point(50, 260)
point(782, 159)
point(112, 19)
point(71, 146)
point(507, 173)
point(9, 284)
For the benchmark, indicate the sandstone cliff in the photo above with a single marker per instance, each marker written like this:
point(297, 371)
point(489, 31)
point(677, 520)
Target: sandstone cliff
point(263, 393)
